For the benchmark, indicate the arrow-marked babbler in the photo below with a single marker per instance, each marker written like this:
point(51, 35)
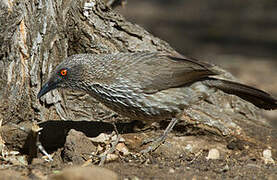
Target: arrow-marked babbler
point(147, 86)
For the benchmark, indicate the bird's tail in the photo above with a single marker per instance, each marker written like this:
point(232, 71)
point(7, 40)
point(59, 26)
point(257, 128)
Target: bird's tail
point(257, 97)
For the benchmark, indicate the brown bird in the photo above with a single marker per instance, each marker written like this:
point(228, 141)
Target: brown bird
point(147, 86)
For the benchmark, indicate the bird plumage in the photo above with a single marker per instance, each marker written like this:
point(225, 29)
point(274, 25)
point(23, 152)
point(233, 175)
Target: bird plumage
point(147, 85)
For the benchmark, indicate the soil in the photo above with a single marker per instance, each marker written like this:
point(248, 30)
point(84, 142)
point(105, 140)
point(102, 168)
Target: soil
point(184, 155)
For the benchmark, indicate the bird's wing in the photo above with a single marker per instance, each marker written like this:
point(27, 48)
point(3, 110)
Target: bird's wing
point(155, 72)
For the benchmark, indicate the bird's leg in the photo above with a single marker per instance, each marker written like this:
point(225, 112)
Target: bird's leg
point(200, 94)
point(112, 115)
point(156, 142)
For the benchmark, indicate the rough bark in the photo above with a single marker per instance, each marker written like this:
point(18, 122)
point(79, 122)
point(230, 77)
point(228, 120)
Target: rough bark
point(36, 35)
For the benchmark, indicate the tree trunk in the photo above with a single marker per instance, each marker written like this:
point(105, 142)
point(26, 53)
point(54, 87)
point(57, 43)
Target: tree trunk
point(36, 35)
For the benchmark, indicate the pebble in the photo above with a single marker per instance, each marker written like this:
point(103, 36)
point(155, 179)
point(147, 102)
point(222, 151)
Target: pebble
point(101, 138)
point(213, 154)
point(171, 170)
point(121, 147)
point(188, 148)
point(267, 157)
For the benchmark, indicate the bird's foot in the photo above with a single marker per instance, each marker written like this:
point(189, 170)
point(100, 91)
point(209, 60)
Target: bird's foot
point(155, 143)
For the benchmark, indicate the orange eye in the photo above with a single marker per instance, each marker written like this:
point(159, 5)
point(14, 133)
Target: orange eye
point(63, 72)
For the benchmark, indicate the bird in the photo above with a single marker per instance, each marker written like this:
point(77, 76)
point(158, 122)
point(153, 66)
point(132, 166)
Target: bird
point(148, 86)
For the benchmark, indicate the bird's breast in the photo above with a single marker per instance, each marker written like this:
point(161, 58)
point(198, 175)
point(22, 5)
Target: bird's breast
point(133, 103)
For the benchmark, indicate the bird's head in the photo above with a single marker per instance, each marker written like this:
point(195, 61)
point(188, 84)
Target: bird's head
point(68, 74)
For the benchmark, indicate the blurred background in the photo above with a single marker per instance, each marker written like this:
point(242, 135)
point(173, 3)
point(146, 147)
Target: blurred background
point(238, 35)
point(247, 27)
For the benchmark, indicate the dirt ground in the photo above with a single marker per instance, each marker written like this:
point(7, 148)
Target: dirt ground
point(187, 154)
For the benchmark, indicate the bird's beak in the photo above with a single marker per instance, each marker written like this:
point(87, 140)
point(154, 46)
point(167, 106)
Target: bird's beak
point(48, 86)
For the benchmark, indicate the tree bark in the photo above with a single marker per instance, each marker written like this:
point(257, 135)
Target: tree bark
point(36, 35)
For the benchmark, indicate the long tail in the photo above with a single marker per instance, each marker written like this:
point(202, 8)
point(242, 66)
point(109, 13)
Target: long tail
point(257, 97)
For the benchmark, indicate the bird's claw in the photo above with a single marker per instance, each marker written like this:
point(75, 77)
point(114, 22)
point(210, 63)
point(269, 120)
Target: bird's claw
point(155, 143)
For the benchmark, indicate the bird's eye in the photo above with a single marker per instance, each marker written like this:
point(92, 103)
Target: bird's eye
point(63, 72)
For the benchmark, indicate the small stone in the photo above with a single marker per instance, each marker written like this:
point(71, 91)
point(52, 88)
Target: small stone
point(171, 170)
point(267, 157)
point(121, 147)
point(77, 147)
point(101, 138)
point(112, 157)
point(85, 173)
point(188, 148)
point(213, 154)
point(114, 138)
